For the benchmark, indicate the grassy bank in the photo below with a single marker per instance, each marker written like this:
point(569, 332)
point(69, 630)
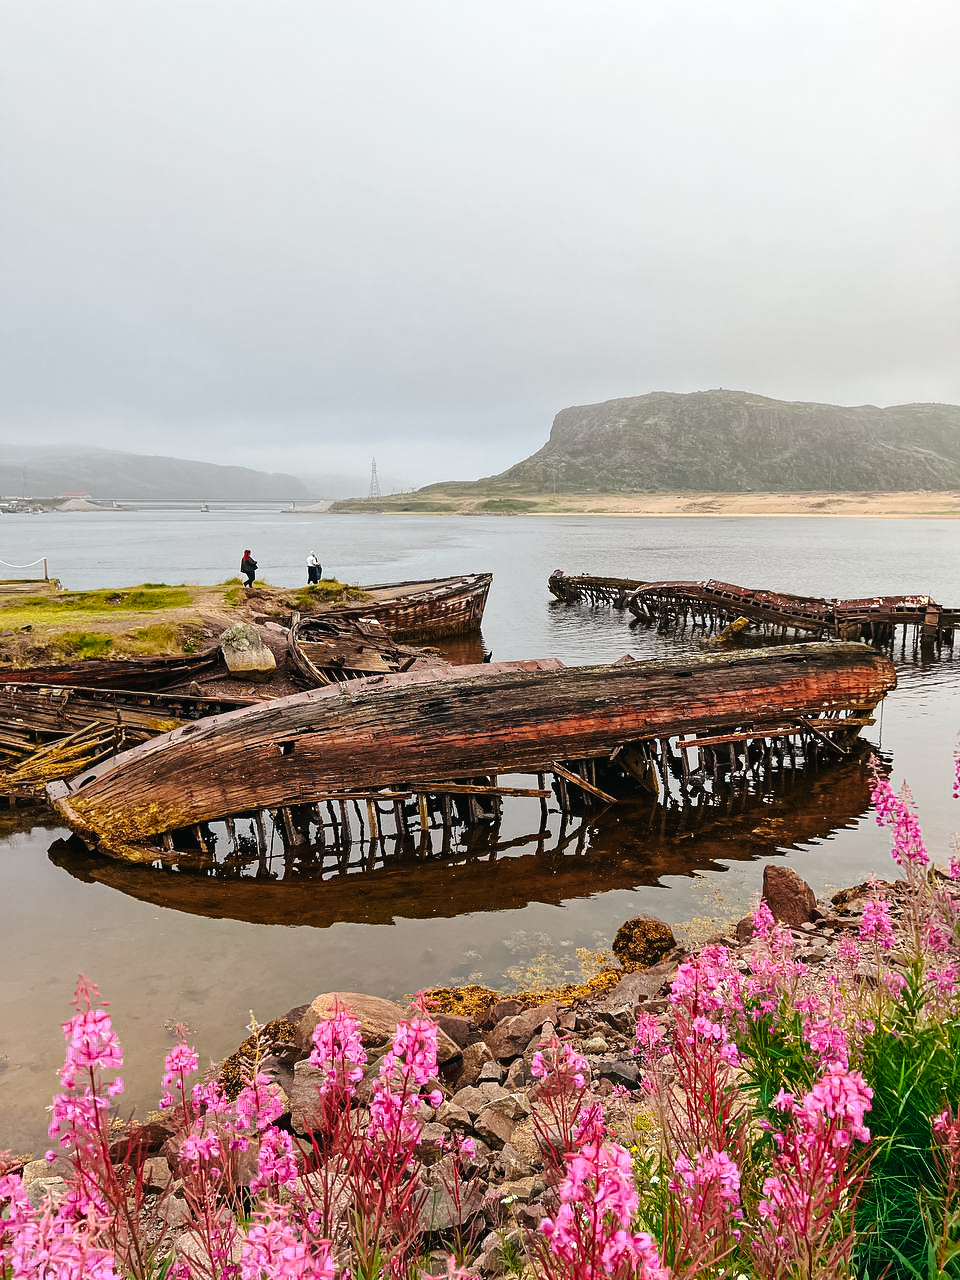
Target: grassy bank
point(49, 625)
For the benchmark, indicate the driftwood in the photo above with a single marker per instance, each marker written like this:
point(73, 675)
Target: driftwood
point(419, 731)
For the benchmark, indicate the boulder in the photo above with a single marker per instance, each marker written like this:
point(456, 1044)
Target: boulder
point(475, 1057)
point(246, 655)
point(510, 1037)
point(642, 941)
point(377, 1017)
point(789, 897)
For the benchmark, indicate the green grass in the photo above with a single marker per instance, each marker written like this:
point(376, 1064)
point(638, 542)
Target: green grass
point(507, 506)
point(71, 646)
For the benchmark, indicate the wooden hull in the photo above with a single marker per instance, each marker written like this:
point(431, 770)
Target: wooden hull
point(49, 711)
point(133, 673)
point(413, 611)
point(416, 731)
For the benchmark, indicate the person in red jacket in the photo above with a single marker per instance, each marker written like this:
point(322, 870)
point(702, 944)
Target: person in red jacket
point(248, 568)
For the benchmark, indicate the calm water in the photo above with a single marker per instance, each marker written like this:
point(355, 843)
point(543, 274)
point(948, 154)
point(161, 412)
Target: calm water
point(168, 948)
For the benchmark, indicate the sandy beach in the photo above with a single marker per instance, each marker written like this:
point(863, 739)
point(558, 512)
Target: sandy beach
point(912, 505)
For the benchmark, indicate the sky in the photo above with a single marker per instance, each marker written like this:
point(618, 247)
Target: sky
point(298, 235)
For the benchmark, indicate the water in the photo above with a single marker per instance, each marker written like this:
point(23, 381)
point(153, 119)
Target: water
point(167, 948)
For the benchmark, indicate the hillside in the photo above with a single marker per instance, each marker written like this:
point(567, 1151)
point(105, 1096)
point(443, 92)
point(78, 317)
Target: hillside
point(45, 471)
point(734, 442)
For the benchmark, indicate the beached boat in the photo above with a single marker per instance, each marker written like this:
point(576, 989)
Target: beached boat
point(425, 610)
point(123, 673)
point(426, 732)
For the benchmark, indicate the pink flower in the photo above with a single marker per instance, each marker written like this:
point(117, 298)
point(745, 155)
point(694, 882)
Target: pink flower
point(276, 1163)
point(650, 1030)
point(338, 1050)
point(875, 923)
point(180, 1061)
point(272, 1248)
point(899, 812)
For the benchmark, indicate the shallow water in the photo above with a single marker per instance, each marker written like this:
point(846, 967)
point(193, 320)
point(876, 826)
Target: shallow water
point(168, 947)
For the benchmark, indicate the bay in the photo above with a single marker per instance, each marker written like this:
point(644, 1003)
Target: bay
point(516, 920)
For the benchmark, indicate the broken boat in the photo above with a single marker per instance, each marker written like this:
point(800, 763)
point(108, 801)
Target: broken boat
point(327, 647)
point(711, 604)
point(453, 731)
point(425, 609)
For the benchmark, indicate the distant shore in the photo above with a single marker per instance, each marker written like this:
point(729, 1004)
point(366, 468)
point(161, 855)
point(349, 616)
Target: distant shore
point(917, 504)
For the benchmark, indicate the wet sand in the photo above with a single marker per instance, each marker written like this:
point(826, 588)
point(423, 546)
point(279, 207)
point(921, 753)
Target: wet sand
point(910, 505)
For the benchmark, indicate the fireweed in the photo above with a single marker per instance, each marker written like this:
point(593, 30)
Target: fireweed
point(807, 1129)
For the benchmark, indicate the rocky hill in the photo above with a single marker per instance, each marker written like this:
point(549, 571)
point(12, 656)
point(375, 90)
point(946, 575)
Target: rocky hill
point(732, 441)
point(45, 471)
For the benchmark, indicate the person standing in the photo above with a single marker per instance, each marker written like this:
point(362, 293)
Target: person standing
point(314, 569)
point(248, 568)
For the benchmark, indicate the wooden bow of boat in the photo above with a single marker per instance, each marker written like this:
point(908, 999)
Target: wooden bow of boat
point(429, 730)
point(425, 610)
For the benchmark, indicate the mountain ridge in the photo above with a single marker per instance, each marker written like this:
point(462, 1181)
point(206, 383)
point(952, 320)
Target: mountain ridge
point(734, 442)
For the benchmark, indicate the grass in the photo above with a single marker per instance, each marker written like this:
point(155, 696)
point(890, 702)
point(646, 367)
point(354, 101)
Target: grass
point(148, 619)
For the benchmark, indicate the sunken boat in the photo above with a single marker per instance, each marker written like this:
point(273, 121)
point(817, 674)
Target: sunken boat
point(454, 730)
point(710, 604)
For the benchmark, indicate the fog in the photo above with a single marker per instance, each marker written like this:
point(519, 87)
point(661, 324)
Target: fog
point(298, 235)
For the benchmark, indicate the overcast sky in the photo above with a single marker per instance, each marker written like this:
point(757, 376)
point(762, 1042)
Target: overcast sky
point(297, 234)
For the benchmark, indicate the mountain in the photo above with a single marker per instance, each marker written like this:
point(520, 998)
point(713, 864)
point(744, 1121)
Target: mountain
point(733, 441)
point(47, 471)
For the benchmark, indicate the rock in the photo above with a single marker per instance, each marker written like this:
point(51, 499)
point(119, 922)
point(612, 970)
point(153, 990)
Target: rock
point(378, 1019)
point(453, 1116)
point(450, 1203)
point(175, 1212)
point(596, 1044)
point(473, 1060)
point(430, 1148)
point(498, 1011)
point(306, 1112)
point(498, 1119)
point(462, 1031)
point(642, 941)
point(511, 1164)
point(510, 1036)
point(490, 1071)
point(157, 1175)
point(641, 985)
point(743, 930)
point(245, 654)
point(621, 1071)
point(789, 897)
point(518, 1075)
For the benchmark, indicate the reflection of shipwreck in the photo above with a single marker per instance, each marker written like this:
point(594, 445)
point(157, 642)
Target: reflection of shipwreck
point(709, 605)
point(265, 878)
point(426, 746)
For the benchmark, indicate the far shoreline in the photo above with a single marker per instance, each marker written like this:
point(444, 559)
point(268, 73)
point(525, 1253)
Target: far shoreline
point(907, 505)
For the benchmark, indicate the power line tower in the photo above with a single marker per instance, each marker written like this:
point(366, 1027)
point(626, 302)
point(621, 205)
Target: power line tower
point(374, 482)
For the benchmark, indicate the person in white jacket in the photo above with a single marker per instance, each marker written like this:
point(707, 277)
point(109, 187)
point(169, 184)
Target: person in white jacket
point(314, 569)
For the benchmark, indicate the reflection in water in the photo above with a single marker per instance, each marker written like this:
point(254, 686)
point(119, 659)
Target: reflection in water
point(635, 842)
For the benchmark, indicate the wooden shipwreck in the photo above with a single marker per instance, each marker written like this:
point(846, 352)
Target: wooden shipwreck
point(453, 731)
point(425, 609)
point(711, 604)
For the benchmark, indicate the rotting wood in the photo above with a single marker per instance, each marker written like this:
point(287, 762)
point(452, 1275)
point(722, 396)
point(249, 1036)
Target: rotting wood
point(440, 730)
point(711, 604)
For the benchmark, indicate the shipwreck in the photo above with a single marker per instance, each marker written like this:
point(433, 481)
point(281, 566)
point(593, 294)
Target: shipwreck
point(414, 741)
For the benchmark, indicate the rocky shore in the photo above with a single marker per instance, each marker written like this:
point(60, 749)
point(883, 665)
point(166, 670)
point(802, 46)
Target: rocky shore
point(486, 1045)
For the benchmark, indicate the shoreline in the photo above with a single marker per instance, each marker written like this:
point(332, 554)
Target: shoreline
point(907, 505)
